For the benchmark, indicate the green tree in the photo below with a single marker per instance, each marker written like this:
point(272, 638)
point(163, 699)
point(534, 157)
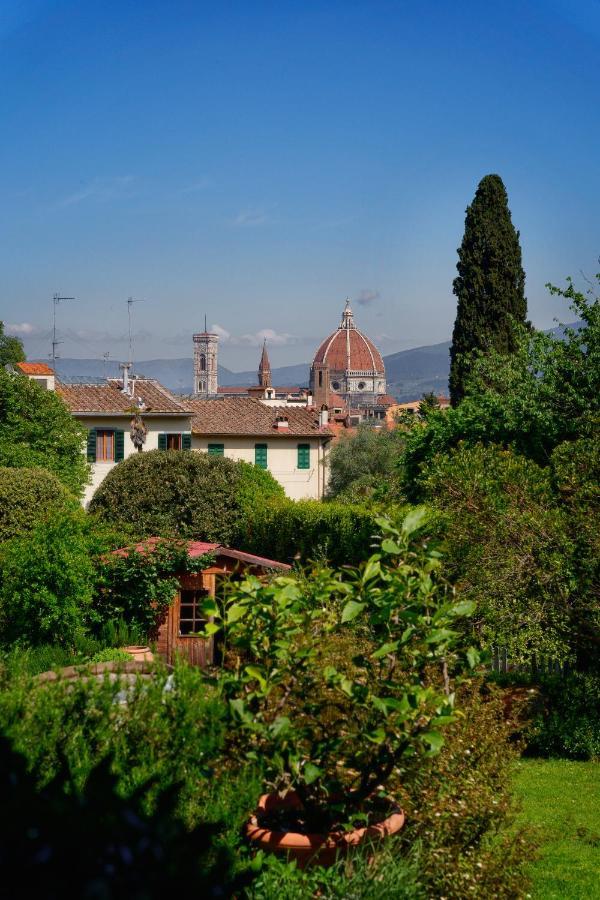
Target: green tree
point(47, 582)
point(38, 431)
point(490, 286)
point(182, 494)
point(364, 463)
point(29, 496)
point(11, 349)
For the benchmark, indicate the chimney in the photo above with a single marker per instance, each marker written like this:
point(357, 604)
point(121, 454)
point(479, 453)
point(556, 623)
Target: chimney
point(281, 423)
point(126, 367)
point(323, 417)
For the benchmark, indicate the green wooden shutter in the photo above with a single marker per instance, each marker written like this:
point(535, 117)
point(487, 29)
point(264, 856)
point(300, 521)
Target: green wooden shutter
point(119, 445)
point(162, 442)
point(260, 455)
point(91, 445)
point(186, 441)
point(304, 456)
point(216, 449)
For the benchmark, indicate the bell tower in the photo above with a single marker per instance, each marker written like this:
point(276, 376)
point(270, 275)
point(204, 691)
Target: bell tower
point(206, 347)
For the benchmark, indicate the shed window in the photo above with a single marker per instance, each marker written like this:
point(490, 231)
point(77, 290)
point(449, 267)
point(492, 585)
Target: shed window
point(191, 617)
point(216, 449)
point(260, 455)
point(304, 456)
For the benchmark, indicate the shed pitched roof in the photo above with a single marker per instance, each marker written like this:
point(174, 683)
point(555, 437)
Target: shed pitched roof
point(247, 415)
point(108, 398)
point(200, 548)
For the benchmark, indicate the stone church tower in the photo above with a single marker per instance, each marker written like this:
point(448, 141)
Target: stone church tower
point(206, 346)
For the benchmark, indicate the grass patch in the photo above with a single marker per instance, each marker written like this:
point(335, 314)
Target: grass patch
point(561, 799)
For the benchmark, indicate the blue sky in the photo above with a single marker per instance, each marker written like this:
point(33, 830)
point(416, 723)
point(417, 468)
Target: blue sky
point(260, 161)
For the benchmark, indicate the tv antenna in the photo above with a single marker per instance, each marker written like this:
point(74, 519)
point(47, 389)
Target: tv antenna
point(130, 302)
point(56, 299)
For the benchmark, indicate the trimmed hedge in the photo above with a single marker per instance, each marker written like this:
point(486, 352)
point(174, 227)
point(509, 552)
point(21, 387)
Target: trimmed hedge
point(289, 530)
point(29, 496)
point(182, 493)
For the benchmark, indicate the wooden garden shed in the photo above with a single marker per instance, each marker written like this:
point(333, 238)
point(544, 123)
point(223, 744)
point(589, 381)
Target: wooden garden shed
point(177, 632)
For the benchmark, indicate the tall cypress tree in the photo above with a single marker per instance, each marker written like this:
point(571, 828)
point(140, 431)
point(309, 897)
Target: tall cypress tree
point(490, 285)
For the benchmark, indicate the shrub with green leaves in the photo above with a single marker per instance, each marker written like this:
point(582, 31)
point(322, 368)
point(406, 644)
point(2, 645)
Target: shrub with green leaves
point(182, 493)
point(326, 675)
point(566, 722)
point(364, 464)
point(37, 430)
point(28, 496)
point(47, 582)
point(284, 529)
point(508, 548)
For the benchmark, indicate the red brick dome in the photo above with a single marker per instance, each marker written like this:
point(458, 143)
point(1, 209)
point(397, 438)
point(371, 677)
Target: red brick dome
point(349, 350)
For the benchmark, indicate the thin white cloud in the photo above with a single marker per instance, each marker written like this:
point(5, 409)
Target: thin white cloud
point(22, 329)
point(257, 338)
point(196, 186)
point(367, 297)
point(99, 190)
point(249, 218)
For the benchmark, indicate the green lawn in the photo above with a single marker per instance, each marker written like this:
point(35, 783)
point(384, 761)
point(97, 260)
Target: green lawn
point(562, 799)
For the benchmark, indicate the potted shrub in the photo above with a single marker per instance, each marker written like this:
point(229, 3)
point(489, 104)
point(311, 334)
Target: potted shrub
point(332, 679)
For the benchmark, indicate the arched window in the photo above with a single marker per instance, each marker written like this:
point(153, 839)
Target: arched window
point(201, 385)
point(202, 362)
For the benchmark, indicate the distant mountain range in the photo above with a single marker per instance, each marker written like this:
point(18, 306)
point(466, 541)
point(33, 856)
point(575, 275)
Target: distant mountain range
point(410, 373)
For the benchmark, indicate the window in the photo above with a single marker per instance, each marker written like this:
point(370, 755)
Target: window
point(320, 379)
point(191, 617)
point(304, 456)
point(105, 446)
point(361, 385)
point(202, 362)
point(216, 449)
point(174, 440)
point(335, 385)
point(260, 455)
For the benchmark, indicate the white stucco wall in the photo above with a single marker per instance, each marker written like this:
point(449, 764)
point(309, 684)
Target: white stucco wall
point(155, 426)
point(282, 460)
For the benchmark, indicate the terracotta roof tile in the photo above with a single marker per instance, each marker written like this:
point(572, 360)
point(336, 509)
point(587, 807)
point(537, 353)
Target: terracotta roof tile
point(349, 350)
point(108, 398)
point(30, 368)
point(246, 415)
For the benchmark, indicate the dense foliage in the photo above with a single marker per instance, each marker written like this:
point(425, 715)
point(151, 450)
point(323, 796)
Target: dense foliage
point(363, 464)
point(38, 430)
point(182, 493)
point(507, 547)
point(11, 349)
point(285, 530)
point(490, 286)
point(47, 582)
point(29, 496)
point(566, 721)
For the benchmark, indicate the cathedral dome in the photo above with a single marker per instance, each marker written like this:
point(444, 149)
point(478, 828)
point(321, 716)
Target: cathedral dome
point(349, 350)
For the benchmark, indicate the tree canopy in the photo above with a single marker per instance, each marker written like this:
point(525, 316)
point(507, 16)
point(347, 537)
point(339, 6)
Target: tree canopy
point(29, 496)
point(182, 493)
point(11, 349)
point(363, 464)
point(490, 285)
point(38, 430)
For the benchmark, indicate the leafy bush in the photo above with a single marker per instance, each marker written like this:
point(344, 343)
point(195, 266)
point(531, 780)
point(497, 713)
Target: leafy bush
point(170, 732)
point(326, 675)
point(183, 493)
point(37, 430)
point(507, 547)
point(369, 456)
point(286, 530)
point(459, 808)
point(47, 582)
point(135, 586)
point(120, 850)
point(28, 496)
point(568, 722)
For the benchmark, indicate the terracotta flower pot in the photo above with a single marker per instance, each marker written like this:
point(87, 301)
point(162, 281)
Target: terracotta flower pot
point(313, 849)
point(142, 654)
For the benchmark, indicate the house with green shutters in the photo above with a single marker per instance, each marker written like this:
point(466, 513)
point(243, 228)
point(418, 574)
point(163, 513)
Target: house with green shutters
point(292, 442)
point(123, 417)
